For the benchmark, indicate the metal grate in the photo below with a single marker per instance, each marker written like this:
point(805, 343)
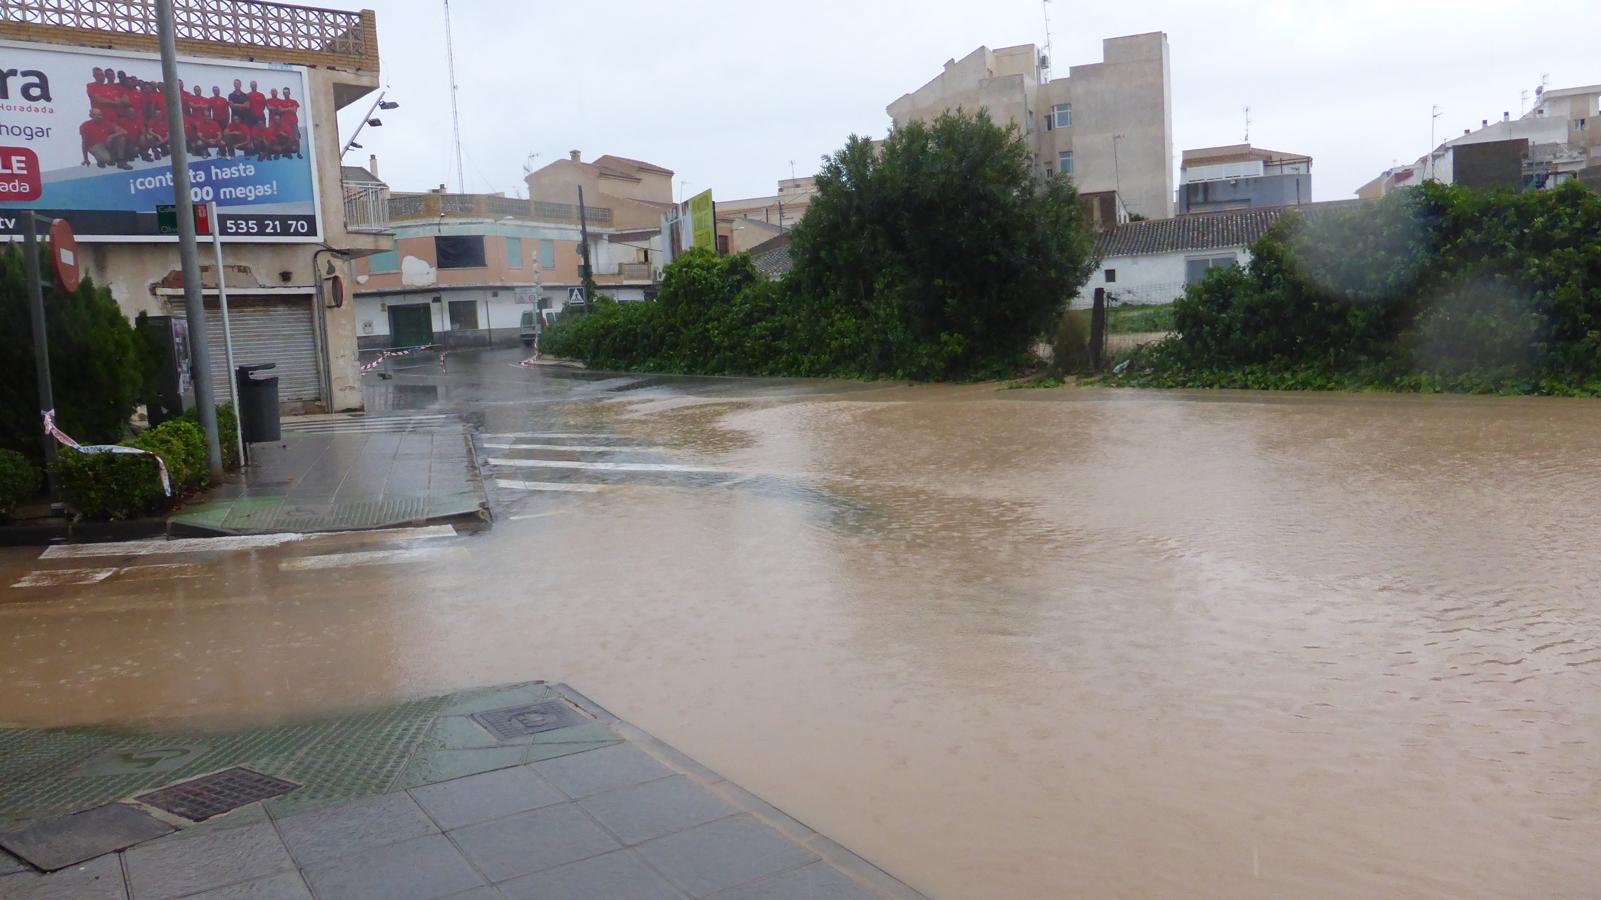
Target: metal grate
point(215, 794)
point(521, 721)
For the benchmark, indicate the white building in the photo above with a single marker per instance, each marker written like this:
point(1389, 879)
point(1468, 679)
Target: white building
point(1151, 263)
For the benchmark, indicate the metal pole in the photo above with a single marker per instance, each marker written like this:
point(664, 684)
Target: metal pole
point(586, 275)
point(227, 336)
point(194, 304)
point(41, 345)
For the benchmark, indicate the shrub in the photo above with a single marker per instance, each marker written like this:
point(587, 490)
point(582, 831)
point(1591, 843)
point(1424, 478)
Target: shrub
point(227, 425)
point(109, 485)
point(96, 362)
point(19, 481)
point(182, 446)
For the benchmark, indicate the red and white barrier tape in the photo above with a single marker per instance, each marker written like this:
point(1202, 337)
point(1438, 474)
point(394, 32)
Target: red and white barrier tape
point(65, 441)
point(391, 354)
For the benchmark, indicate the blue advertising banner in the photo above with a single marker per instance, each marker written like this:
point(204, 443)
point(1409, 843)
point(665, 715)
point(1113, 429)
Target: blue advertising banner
point(97, 119)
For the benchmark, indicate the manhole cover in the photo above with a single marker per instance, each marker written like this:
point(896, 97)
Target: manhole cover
point(521, 721)
point(213, 795)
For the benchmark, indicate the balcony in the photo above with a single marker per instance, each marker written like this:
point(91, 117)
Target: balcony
point(266, 32)
point(635, 271)
point(433, 206)
point(366, 207)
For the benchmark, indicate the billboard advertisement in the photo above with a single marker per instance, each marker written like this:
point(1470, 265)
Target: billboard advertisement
point(91, 127)
point(703, 221)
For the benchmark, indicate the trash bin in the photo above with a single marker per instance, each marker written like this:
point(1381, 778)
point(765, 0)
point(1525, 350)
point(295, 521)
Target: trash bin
point(258, 404)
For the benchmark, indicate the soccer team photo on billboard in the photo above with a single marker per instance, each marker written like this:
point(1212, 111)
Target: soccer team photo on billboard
point(97, 120)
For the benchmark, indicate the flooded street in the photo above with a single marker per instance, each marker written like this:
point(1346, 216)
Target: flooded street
point(1002, 643)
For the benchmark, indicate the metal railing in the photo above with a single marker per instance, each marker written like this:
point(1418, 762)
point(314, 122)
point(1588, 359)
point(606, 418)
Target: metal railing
point(634, 271)
point(366, 207)
point(298, 32)
point(568, 212)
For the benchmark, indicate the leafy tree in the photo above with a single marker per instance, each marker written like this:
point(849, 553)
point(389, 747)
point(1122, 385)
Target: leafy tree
point(954, 257)
point(96, 363)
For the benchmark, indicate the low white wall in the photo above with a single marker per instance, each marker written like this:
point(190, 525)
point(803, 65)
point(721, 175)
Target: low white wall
point(1148, 279)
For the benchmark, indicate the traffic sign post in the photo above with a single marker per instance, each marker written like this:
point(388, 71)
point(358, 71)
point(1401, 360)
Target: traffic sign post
point(41, 346)
point(64, 255)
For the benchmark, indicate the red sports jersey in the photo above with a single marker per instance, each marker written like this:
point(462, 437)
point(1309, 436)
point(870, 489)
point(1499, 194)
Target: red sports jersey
point(104, 96)
point(194, 107)
point(258, 105)
point(96, 132)
point(220, 110)
point(132, 103)
point(209, 130)
point(155, 106)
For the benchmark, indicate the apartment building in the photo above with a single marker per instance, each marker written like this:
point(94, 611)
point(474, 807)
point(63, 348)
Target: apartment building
point(1556, 141)
point(1107, 125)
point(287, 242)
point(1240, 176)
point(466, 267)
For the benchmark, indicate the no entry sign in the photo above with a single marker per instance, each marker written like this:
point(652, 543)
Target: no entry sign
point(20, 180)
point(64, 254)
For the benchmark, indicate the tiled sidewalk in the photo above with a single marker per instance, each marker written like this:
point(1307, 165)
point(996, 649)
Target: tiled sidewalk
point(618, 815)
point(339, 473)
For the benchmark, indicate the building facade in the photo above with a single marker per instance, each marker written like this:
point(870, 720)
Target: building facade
point(1107, 125)
point(284, 305)
point(466, 267)
point(1153, 262)
point(1556, 141)
point(1240, 176)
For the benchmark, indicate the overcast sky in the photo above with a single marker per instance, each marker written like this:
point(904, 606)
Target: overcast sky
point(728, 93)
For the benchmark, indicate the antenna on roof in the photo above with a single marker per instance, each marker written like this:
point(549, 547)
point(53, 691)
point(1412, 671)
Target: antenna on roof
point(1247, 124)
point(455, 110)
point(1045, 58)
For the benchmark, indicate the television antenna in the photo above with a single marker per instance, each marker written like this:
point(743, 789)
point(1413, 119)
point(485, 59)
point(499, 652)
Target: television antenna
point(1045, 58)
point(455, 109)
point(1247, 124)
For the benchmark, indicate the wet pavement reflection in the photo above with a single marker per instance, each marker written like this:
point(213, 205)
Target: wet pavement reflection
point(1004, 643)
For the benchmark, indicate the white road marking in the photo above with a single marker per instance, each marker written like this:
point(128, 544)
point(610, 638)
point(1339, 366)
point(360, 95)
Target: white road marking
point(548, 434)
point(161, 571)
point(181, 545)
point(549, 486)
point(362, 558)
point(604, 466)
point(540, 515)
point(241, 542)
point(64, 577)
point(575, 448)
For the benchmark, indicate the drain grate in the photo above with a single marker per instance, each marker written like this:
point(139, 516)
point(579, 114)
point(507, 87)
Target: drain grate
point(522, 721)
point(212, 795)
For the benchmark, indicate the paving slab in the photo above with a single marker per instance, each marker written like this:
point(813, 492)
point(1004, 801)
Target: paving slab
point(165, 869)
point(100, 879)
point(724, 854)
point(619, 875)
point(424, 868)
point(57, 843)
point(531, 841)
point(417, 801)
point(484, 797)
point(602, 770)
point(656, 808)
point(322, 837)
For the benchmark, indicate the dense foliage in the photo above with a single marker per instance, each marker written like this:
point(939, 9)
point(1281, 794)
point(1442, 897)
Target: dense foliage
point(935, 256)
point(97, 366)
point(1433, 288)
point(19, 481)
point(123, 486)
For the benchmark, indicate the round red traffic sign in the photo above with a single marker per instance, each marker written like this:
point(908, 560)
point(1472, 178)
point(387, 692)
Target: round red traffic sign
point(64, 254)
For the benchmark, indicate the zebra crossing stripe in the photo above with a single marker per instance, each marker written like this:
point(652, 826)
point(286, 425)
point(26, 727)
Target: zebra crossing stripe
point(550, 486)
point(63, 577)
point(360, 558)
point(605, 466)
point(575, 448)
point(241, 542)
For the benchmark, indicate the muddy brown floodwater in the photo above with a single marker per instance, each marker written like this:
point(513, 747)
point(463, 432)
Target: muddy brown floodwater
point(1005, 644)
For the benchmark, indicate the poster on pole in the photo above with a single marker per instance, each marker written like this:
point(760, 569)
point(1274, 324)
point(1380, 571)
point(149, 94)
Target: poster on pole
point(703, 221)
point(96, 120)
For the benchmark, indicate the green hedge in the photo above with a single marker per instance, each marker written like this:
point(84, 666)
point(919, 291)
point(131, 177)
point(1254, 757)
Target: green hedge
point(124, 486)
point(19, 481)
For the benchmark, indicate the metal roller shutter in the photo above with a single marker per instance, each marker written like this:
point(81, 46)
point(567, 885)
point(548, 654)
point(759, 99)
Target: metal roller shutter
point(265, 330)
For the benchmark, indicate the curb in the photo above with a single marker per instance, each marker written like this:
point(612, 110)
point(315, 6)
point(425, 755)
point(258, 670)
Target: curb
point(82, 532)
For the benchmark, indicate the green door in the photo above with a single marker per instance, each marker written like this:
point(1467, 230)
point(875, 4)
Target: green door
point(411, 326)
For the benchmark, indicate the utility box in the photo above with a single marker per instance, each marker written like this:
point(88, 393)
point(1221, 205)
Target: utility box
point(168, 339)
point(258, 404)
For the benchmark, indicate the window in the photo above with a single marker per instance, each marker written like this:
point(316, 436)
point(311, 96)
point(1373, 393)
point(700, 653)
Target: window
point(1582, 124)
point(1195, 269)
point(1064, 162)
point(1049, 171)
point(514, 252)
point(1062, 115)
point(387, 261)
point(464, 315)
point(463, 252)
point(1111, 276)
point(547, 254)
